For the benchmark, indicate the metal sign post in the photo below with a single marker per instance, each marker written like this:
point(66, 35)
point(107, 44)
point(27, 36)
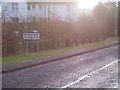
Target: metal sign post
point(31, 36)
point(37, 47)
point(26, 46)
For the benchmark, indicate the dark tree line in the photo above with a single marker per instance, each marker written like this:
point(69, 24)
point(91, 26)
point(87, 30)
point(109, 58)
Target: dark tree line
point(58, 34)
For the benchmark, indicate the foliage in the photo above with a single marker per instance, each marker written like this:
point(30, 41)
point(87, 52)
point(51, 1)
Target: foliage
point(58, 34)
point(31, 55)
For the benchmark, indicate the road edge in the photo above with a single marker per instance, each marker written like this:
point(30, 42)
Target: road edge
point(54, 59)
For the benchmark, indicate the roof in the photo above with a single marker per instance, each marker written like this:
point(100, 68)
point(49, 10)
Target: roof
point(52, 0)
point(40, 0)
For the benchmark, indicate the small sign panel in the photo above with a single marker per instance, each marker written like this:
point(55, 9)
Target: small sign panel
point(31, 36)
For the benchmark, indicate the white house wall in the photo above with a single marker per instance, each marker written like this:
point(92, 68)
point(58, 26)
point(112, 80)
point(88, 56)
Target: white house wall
point(8, 13)
point(57, 10)
point(60, 11)
point(22, 10)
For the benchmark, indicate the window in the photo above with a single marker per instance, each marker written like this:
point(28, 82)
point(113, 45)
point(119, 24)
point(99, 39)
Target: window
point(49, 12)
point(49, 9)
point(28, 7)
point(14, 6)
point(33, 6)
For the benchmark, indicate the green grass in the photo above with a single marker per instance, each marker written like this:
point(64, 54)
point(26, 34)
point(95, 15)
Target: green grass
point(43, 53)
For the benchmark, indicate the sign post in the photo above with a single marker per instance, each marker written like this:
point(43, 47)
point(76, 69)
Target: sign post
point(37, 47)
point(26, 46)
point(31, 36)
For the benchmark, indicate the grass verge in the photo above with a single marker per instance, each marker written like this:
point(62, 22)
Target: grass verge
point(43, 53)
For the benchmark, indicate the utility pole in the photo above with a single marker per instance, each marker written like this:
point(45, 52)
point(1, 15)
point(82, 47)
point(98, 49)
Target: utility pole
point(116, 18)
point(26, 42)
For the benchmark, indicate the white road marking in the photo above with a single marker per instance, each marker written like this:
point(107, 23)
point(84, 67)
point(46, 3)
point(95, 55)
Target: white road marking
point(90, 74)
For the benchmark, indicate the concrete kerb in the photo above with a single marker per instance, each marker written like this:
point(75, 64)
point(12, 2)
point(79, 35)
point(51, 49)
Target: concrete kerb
point(55, 59)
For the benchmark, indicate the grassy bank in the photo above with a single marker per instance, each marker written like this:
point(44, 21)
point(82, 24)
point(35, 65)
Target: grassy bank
point(43, 53)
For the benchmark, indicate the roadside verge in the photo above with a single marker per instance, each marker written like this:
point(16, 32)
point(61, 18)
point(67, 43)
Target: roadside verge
point(15, 66)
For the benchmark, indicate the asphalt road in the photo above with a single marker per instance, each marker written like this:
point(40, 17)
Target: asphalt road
point(98, 69)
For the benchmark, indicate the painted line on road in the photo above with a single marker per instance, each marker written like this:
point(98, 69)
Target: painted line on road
point(90, 74)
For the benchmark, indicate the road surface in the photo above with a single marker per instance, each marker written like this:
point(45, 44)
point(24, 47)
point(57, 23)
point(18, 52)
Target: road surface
point(98, 69)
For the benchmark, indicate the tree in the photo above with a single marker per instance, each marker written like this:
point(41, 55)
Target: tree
point(105, 17)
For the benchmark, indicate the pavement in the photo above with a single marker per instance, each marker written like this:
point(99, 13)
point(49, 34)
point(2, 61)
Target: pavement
point(15, 66)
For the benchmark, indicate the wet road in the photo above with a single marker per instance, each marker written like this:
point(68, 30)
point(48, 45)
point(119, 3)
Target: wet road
point(98, 69)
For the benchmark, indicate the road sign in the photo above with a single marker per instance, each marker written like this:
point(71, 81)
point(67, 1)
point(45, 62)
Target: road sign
point(31, 36)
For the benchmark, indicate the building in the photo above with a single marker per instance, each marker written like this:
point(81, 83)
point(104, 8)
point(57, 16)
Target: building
point(52, 10)
point(14, 11)
point(29, 10)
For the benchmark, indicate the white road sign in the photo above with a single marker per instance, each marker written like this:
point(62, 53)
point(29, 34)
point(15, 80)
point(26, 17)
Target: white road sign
point(31, 36)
